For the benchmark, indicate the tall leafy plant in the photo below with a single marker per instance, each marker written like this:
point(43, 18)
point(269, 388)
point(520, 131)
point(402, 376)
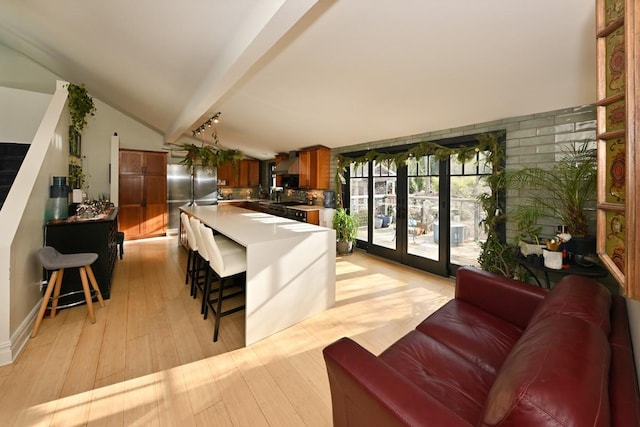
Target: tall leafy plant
point(560, 192)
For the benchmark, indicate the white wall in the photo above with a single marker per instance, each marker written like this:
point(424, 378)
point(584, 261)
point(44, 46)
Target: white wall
point(20, 114)
point(19, 72)
point(96, 144)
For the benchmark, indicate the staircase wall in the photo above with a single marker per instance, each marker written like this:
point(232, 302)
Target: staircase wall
point(22, 225)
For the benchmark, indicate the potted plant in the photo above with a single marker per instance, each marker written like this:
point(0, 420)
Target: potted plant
point(528, 239)
point(346, 226)
point(80, 105)
point(561, 192)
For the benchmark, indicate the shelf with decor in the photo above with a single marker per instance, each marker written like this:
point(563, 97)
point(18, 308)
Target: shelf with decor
point(617, 54)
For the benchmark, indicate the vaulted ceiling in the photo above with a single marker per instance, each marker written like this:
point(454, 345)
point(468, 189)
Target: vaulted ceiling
point(287, 74)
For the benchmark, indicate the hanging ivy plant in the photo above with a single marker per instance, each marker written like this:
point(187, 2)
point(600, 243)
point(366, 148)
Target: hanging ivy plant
point(80, 106)
point(496, 256)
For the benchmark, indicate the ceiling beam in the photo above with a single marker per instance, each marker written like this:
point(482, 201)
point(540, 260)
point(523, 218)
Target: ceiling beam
point(254, 39)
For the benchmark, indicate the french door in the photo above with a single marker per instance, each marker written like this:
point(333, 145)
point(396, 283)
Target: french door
point(423, 213)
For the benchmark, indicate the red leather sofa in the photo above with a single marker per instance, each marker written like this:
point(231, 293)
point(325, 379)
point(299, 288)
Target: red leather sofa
point(501, 353)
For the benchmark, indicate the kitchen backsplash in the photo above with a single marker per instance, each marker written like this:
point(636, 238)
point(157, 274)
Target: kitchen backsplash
point(302, 196)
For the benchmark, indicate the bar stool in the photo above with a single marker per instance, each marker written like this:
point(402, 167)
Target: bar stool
point(203, 255)
point(225, 265)
point(201, 263)
point(192, 244)
point(120, 242)
point(52, 260)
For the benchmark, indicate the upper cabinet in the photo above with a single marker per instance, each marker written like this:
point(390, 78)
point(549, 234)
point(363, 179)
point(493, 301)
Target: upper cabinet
point(314, 168)
point(244, 173)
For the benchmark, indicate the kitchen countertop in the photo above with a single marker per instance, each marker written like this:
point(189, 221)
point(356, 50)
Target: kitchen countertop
point(291, 266)
point(301, 206)
point(246, 226)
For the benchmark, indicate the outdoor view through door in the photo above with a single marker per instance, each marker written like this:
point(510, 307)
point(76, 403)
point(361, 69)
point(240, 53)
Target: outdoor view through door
point(425, 213)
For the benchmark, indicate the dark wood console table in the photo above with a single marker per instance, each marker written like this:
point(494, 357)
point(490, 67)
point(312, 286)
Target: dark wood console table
point(595, 271)
point(93, 235)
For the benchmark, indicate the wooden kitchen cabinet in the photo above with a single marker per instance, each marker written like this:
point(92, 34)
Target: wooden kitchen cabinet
point(249, 173)
point(143, 193)
point(314, 168)
point(245, 174)
point(227, 176)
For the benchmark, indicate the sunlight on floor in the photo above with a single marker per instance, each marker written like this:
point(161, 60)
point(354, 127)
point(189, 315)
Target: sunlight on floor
point(282, 375)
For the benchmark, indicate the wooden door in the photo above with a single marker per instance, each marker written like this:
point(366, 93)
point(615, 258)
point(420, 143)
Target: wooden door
point(143, 193)
point(131, 190)
point(155, 194)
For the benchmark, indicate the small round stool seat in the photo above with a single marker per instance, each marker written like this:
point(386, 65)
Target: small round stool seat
point(52, 260)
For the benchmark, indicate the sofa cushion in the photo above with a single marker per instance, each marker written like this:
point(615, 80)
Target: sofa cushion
point(579, 297)
point(483, 339)
point(623, 388)
point(556, 375)
point(442, 373)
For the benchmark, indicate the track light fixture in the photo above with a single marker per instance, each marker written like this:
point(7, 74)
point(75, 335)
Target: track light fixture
point(214, 119)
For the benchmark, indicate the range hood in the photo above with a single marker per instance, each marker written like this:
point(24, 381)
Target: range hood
point(288, 166)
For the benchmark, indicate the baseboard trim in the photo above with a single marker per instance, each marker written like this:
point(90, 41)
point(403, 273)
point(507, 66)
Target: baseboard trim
point(9, 350)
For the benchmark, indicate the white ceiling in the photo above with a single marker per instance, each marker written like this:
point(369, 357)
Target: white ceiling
point(287, 74)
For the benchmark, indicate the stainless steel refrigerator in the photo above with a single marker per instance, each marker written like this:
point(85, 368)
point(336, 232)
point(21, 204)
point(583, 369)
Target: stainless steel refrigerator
point(179, 191)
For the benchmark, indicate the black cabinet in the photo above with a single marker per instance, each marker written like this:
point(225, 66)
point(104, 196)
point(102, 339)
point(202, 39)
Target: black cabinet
point(97, 236)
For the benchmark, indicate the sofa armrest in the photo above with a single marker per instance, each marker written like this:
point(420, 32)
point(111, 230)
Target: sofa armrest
point(367, 391)
point(505, 298)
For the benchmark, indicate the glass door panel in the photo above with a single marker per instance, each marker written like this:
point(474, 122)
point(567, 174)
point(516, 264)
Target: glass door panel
point(385, 204)
point(359, 197)
point(422, 207)
point(468, 181)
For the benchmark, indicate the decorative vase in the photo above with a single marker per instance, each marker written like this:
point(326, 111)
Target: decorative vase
point(57, 206)
point(552, 259)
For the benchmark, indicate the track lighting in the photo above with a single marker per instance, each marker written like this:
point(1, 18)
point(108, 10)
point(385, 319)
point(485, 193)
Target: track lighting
point(207, 124)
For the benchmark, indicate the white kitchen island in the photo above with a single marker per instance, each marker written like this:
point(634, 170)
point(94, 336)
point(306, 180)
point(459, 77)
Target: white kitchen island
point(291, 266)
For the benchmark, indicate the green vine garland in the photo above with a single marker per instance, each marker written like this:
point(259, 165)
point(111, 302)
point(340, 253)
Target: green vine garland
point(496, 256)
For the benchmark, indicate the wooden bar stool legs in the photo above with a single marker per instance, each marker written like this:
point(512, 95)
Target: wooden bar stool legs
point(84, 271)
point(55, 278)
point(54, 261)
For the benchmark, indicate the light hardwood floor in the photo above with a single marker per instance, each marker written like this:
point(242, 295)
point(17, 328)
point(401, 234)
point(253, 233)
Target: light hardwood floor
point(149, 359)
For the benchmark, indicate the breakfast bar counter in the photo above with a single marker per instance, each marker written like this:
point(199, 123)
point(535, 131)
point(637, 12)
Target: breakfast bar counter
point(291, 266)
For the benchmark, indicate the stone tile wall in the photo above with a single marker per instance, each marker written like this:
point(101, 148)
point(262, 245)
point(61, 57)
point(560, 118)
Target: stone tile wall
point(532, 140)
